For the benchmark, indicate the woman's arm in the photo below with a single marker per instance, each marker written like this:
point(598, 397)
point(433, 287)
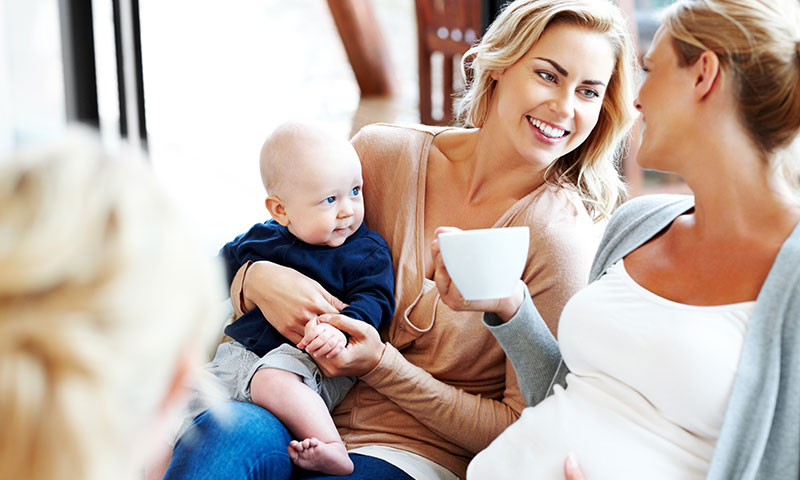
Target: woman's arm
point(531, 347)
point(474, 421)
point(522, 331)
point(287, 298)
point(470, 421)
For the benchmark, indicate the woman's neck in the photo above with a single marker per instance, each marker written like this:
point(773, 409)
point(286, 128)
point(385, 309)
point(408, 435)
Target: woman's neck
point(488, 167)
point(737, 195)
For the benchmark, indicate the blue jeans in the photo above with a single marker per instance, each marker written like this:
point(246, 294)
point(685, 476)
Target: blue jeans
point(244, 441)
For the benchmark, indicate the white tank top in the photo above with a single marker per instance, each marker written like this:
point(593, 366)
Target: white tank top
point(650, 380)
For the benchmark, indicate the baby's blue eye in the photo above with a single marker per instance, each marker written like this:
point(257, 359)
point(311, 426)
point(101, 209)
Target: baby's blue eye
point(330, 200)
point(355, 191)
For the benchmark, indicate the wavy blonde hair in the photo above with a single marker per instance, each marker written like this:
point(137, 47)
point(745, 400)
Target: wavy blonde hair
point(592, 167)
point(758, 45)
point(101, 290)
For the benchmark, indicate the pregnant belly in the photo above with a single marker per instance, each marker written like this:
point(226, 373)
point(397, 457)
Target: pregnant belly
point(614, 434)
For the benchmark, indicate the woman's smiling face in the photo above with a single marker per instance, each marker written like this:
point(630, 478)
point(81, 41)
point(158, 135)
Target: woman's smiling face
point(549, 101)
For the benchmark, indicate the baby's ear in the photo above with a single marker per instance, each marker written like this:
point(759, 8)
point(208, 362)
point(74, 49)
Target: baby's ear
point(277, 210)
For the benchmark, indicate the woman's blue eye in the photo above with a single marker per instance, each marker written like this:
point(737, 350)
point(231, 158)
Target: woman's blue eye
point(330, 200)
point(547, 76)
point(588, 92)
point(355, 191)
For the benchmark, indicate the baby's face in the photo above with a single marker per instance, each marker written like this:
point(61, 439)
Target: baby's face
point(325, 204)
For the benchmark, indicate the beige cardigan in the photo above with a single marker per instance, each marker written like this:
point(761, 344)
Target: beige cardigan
point(444, 388)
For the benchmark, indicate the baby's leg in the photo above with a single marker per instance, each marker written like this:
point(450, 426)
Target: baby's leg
point(304, 413)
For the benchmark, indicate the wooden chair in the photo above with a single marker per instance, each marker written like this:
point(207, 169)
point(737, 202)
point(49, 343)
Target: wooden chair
point(445, 30)
point(366, 50)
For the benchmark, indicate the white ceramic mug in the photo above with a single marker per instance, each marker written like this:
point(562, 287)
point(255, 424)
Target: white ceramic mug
point(485, 263)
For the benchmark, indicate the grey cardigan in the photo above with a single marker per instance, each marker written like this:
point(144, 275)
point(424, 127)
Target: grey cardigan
point(760, 436)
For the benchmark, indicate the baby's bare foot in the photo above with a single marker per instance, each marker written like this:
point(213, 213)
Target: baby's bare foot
point(312, 454)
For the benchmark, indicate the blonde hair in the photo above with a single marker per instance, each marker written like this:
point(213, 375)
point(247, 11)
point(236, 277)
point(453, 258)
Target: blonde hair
point(592, 167)
point(758, 44)
point(101, 291)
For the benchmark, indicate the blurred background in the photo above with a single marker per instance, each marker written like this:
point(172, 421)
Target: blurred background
point(199, 84)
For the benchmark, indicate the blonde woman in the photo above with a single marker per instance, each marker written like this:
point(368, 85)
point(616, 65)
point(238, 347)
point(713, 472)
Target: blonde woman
point(549, 106)
point(105, 306)
point(684, 350)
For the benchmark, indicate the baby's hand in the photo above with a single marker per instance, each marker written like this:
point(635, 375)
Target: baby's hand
point(322, 339)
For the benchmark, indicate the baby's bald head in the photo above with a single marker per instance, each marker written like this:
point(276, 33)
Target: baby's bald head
point(294, 149)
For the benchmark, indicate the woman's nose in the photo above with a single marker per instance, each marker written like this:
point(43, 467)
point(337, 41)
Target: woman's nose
point(562, 105)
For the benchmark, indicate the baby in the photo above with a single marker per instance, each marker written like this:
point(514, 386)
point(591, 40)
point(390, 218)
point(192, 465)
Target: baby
point(313, 183)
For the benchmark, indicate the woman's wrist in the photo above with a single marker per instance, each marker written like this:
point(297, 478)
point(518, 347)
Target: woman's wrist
point(508, 307)
point(371, 362)
point(377, 360)
point(385, 366)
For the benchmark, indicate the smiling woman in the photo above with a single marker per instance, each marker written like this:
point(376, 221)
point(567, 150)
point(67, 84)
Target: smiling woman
point(559, 94)
point(588, 166)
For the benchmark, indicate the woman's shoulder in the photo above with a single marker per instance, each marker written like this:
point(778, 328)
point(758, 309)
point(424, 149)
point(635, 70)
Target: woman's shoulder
point(387, 133)
point(785, 265)
point(396, 147)
point(648, 212)
point(555, 206)
point(635, 222)
point(559, 221)
point(649, 205)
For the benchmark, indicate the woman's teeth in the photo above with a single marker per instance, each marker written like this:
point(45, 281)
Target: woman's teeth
point(547, 130)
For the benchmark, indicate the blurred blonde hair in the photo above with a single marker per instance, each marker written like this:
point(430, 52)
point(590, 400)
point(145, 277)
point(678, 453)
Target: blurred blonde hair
point(101, 291)
point(592, 167)
point(758, 45)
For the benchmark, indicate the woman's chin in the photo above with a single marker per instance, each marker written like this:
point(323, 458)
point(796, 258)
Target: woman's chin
point(650, 159)
point(643, 160)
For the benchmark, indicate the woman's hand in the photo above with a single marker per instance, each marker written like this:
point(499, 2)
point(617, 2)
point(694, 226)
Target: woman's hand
point(287, 298)
point(505, 308)
point(363, 351)
point(572, 471)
